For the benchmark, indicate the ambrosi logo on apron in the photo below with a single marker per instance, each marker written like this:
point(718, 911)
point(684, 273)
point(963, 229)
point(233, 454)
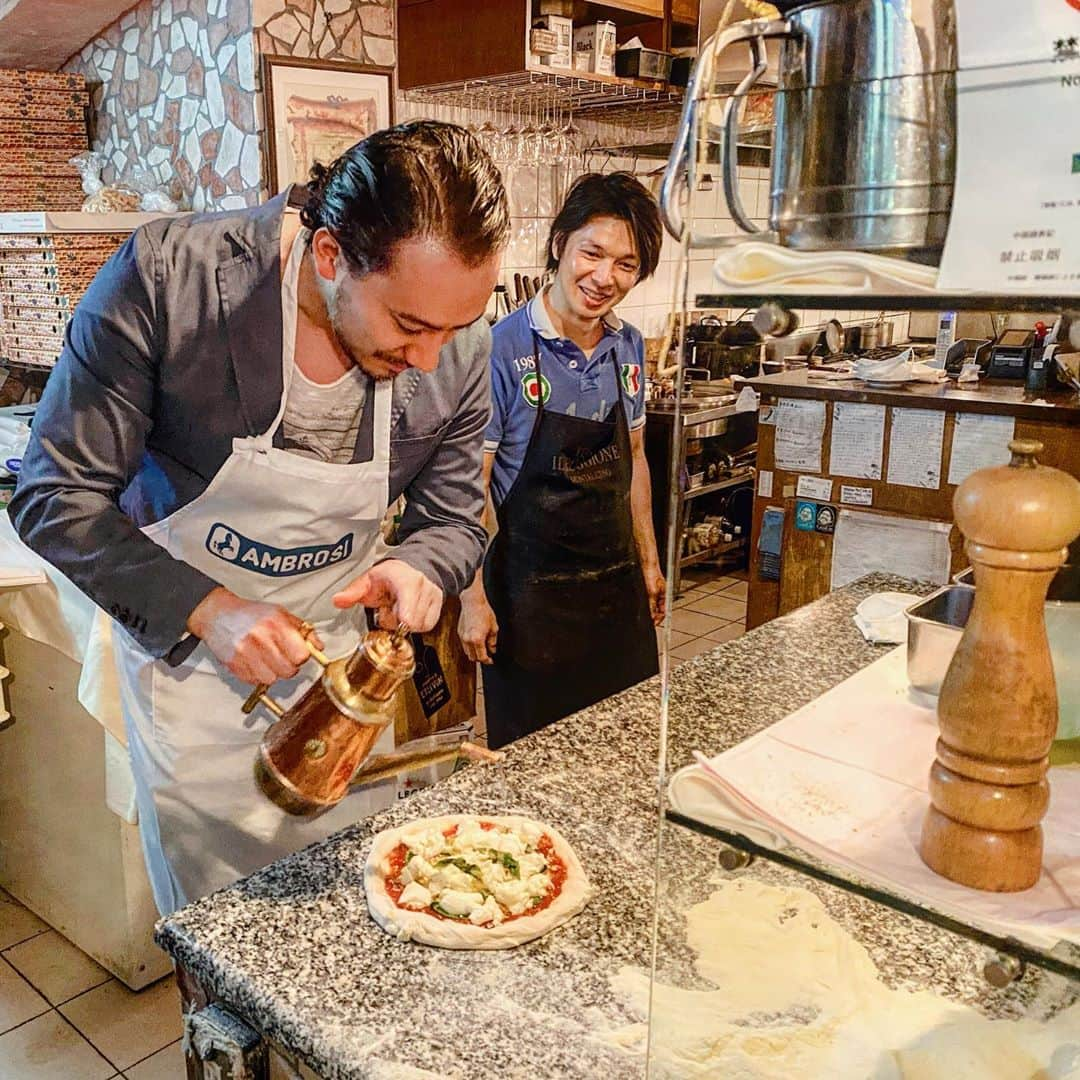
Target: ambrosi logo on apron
point(227, 544)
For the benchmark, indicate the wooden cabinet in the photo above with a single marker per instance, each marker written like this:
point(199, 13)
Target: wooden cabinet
point(638, 7)
point(806, 553)
point(445, 41)
point(455, 41)
point(685, 11)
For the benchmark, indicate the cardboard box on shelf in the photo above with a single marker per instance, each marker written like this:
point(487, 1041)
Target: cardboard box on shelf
point(563, 28)
point(594, 48)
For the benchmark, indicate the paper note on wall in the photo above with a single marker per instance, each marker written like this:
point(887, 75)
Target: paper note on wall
point(800, 427)
point(1005, 32)
point(978, 443)
point(915, 444)
point(867, 543)
point(1019, 70)
point(858, 433)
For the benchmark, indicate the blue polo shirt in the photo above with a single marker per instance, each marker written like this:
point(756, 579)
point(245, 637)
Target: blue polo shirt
point(571, 383)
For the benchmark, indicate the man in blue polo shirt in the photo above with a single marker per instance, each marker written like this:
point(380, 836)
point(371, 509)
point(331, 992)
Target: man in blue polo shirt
point(563, 612)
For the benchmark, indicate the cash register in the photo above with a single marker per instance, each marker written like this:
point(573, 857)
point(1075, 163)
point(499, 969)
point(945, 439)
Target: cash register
point(1011, 353)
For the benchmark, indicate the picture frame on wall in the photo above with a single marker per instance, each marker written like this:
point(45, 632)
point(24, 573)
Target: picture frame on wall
point(315, 109)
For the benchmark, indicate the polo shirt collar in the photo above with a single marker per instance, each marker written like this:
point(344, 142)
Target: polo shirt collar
point(540, 320)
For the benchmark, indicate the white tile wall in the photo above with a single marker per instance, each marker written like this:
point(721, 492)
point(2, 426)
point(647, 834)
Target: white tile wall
point(532, 202)
point(532, 208)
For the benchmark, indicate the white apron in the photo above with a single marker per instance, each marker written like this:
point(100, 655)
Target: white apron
point(275, 527)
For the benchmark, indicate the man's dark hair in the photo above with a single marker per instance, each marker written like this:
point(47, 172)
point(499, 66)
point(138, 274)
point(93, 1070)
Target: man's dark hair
point(617, 195)
point(420, 179)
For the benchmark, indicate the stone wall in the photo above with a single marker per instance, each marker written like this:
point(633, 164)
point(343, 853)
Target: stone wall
point(356, 31)
point(327, 29)
point(177, 89)
point(175, 92)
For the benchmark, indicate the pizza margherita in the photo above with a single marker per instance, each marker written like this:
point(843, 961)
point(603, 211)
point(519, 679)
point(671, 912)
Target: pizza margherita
point(473, 882)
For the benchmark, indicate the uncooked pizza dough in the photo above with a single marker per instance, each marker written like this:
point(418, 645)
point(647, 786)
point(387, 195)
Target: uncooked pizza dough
point(473, 881)
point(797, 996)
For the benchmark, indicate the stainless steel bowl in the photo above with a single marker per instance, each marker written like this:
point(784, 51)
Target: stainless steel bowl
point(935, 626)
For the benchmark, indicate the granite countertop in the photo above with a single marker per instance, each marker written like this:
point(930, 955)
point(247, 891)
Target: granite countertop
point(293, 950)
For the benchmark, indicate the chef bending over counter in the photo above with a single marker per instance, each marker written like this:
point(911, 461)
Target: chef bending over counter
point(240, 398)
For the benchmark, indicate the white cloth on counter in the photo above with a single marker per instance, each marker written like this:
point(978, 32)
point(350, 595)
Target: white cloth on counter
point(881, 618)
point(748, 400)
point(756, 264)
point(845, 779)
point(39, 602)
point(14, 435)
point(900, 368)
point(55, 612)
point(969, 373)
point(695, 793)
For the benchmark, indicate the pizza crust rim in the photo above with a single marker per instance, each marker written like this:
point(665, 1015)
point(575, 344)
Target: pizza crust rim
point(406, 925)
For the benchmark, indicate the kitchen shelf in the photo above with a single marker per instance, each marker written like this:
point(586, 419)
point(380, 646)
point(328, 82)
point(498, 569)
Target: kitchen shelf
point(1062, 959)
point(744, 477)
point(600, 97)
point(916, 301)
point(732, 547)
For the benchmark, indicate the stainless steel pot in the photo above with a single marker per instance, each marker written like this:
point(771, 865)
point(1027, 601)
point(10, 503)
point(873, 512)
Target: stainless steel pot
point(864, 149)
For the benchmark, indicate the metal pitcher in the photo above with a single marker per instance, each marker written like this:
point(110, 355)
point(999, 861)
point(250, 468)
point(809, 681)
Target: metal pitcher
point(317, 751)
point(864, 147)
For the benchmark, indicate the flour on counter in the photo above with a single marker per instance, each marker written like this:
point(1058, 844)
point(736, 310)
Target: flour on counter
point(797, 996)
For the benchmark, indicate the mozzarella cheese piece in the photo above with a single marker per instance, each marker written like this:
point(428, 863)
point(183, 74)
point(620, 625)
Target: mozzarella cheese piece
point(458, 903)
point(478, 874)
point(489, 913)
point(414, 896)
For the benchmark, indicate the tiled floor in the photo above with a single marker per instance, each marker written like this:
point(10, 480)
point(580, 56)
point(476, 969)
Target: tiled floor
point(710, 611)
point(63, 1017)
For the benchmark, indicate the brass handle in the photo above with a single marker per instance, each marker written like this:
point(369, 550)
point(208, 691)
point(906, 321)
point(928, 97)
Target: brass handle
point(260, 695)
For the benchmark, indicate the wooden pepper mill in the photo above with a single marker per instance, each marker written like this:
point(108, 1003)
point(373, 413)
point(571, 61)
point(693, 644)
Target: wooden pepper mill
point(998, 703)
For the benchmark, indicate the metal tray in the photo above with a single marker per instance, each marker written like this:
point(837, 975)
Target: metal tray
point(935, 626)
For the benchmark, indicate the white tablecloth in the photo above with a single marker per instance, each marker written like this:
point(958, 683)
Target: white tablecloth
point(845, 778)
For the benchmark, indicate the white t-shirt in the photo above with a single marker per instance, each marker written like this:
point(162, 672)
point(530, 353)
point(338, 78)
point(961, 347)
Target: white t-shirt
point(322, 421)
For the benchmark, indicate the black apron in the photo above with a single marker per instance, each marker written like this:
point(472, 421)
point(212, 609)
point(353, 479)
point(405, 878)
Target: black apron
point(563, 576)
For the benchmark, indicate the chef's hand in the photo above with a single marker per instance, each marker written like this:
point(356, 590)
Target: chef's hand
point(400, 593)
point(258, 643)
point(477, 627)
point(656, 587)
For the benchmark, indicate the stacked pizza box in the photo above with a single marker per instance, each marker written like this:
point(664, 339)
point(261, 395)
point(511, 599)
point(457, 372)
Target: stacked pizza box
point(42, 125)
point(42, 277)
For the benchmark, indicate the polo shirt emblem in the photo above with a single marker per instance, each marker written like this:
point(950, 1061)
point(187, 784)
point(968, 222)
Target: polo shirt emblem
point(535, 389)
point(631, 378)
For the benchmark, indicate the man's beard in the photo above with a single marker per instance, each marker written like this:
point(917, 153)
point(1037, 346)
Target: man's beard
point(362, 361)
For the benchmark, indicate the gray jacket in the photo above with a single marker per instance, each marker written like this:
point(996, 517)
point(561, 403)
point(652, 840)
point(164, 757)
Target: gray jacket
point(174, 351)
